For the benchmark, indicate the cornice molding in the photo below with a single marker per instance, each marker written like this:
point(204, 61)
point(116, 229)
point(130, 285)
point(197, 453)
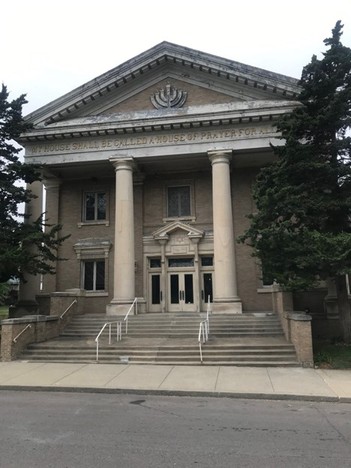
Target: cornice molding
point(144, 122)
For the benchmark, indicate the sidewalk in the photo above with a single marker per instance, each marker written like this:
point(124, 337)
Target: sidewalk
point(239, 382)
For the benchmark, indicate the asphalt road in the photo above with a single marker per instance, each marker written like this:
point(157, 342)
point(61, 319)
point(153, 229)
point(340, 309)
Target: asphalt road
point(77, 430)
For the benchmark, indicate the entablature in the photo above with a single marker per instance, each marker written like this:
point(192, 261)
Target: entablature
point(155, 121)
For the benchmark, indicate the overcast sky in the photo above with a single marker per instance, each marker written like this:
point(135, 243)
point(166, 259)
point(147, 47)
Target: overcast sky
point(50, 47)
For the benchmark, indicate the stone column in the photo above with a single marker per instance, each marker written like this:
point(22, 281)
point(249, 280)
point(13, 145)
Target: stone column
point(226, 299)
point(164, 289)
point(27, 303)
point(52, 188)
point(124, 254)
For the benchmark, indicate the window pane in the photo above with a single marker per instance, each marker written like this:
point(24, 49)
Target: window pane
point(181, 262)
point(155, 263)
point(89, 206)
point(206, 261)
point(89, 276)
point(179, 201)
point(184, 195)
point(100, 275)
point(101, 206)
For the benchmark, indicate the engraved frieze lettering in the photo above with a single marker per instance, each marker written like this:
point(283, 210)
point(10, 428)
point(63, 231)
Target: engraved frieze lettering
point(109, 144)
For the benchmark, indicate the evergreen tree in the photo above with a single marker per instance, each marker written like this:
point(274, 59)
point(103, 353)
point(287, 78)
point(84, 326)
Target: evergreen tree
point(24, 247)
point(302, 230)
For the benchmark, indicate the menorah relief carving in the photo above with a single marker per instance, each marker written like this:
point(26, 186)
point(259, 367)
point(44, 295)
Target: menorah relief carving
point(169, 97)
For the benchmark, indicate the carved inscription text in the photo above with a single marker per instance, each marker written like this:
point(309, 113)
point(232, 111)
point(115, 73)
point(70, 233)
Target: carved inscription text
point(150, 140)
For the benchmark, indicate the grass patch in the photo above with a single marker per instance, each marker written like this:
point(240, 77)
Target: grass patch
point(4, 312)
point(329, 355)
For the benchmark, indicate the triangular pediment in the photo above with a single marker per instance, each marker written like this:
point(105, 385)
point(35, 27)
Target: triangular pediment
point(166, 231)
point(127, 89)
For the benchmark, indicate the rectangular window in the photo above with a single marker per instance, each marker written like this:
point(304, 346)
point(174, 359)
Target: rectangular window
point(155, 263)
point(178, 201)
point(94, 275)
point(206, 261)
point(180, 262)
point(94, 206)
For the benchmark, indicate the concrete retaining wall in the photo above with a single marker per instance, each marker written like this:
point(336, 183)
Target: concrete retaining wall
point(18, 333)
point(296, 326)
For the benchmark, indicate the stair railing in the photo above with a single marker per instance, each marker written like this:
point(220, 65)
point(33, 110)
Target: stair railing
point(204, 329)
point(208, 312)
point(132, 307)
point(20, 333)
point(202, 336)
point(118, 323)
point(109, 325)
point(63, 313)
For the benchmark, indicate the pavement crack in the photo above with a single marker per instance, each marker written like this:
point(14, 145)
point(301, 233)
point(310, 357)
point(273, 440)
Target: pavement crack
point(325, 416)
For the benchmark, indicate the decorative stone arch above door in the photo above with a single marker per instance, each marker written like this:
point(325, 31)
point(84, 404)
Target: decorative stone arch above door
point(179, 238)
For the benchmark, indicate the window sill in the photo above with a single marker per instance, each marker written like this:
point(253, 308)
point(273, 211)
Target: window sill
point(93, 223)
point(265, 290)
point(96, 294)
point(190, 219)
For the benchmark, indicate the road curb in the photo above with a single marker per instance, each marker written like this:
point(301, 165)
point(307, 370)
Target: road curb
point(180, 393)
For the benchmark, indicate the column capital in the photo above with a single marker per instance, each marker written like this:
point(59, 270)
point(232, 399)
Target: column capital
point(126, 164)
point(52, 183)
point(220, 156)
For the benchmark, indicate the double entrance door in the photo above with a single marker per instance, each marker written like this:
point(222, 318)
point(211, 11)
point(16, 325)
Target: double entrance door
point(180, 291)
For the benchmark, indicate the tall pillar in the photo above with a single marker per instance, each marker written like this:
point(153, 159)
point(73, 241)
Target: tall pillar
point(226, 299)
point(124, 255)
point(52, 189)
point(27, 303)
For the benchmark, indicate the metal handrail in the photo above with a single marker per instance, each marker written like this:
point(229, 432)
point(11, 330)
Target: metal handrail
point(63, 313)
point(118, 327)
point(134, 303)
point(203, 335)
point(24, 329)
point(204, 328)
point(118, 334)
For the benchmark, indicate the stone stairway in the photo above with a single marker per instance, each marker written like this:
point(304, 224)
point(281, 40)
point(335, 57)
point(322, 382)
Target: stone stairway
point(235, 340)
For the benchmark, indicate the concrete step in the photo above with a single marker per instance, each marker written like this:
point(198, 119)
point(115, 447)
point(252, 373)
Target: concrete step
point(171, 339)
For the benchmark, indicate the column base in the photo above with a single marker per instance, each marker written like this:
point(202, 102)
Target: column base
point(118, 308)
point(227, 307)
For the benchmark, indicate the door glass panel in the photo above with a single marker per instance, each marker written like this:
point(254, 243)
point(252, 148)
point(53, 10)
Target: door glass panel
point(174, 289)
point(208, 291)
point(188, 289)
point(155, 289)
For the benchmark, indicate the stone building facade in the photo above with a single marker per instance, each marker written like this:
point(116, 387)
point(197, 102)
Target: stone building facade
point(149, 168)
